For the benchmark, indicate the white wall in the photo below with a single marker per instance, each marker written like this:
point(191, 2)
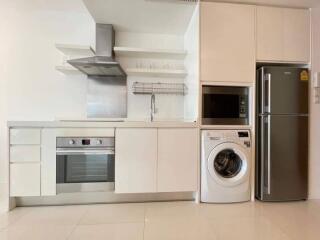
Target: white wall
point(314, 185)
point(191, 41)
point(30, 87)
point(168, 106)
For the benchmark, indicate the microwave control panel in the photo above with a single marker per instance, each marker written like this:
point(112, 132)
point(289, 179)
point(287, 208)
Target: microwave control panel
point(243, 108)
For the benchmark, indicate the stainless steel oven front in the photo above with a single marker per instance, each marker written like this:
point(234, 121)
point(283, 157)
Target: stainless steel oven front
point(85, 164)
point(225, 105)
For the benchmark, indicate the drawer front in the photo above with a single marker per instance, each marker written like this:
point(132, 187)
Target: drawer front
point(25, 136)
point(24, 179)
point(20, 153)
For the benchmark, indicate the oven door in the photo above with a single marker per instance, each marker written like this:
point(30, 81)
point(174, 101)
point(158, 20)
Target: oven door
point(85, 170)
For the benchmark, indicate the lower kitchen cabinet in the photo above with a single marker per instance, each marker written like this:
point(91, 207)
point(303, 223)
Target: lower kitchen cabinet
point(136, 160)
point(156, 160)
point(24, 179)
point(177, 160)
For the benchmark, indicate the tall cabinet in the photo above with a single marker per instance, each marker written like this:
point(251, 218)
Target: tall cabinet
point(227, 42)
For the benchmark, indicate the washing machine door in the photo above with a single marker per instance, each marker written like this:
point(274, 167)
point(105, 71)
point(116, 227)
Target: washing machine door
point(228, 164)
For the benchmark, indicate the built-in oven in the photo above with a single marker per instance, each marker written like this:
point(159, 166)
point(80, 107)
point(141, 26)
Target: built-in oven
point(85, 164)
point(225, 105)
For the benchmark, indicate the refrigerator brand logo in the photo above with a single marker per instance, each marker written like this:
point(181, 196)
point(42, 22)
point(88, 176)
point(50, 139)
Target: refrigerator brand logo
point(304, 75)
point(287, 73)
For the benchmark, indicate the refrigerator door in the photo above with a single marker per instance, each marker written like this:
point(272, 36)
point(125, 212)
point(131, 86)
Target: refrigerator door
point(283, 90)
point(283, 158)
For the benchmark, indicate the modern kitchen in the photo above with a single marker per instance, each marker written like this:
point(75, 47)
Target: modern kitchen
point(160, 119)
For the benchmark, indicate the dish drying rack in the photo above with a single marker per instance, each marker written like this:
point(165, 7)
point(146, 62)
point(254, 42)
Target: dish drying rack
point(159, 88)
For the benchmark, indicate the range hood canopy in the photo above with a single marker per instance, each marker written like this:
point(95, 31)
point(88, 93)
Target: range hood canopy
point(103, 64)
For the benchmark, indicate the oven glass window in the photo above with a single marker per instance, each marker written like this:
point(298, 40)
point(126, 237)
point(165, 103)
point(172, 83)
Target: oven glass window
point(221, 106)
point(85, 168)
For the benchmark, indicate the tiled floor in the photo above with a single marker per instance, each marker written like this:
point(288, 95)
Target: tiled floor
point(165, 221)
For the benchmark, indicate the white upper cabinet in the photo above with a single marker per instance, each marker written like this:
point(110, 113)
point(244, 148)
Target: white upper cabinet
point(136, 160)
point(297, 37)
point(269, 33)
point(177, 160)
point(283, 35)
point(227, 36)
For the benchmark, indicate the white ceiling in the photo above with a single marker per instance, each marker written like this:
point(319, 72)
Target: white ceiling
point(142, 16)
point(288, 3)
point(46, 5)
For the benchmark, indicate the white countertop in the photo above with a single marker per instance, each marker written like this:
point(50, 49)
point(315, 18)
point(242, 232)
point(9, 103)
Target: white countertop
point(101, 124)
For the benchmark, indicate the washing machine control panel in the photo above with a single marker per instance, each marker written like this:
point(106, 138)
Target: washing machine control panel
point(238, 136)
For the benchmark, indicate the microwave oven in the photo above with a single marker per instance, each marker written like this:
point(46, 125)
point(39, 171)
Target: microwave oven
point(225, 105)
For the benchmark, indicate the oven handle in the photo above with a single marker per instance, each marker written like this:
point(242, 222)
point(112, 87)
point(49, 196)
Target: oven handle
point(84, 152)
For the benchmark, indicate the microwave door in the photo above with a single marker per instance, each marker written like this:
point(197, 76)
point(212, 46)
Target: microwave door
point(225, 105)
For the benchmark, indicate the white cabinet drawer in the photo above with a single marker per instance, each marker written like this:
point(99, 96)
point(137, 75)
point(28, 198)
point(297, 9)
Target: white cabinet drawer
point(24, 179)
point(21, 153)
point(25, 136)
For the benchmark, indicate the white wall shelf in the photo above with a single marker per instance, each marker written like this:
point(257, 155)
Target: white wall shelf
point(67, 70)
point(75, 50)
point(149, 53)
point(156, 72)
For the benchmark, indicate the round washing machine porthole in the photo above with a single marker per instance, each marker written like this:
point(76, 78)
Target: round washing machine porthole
point(228, 164)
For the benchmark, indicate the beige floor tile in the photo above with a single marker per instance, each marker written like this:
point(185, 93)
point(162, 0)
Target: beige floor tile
point(10, 217)
point(166, 221)
point(117, 231)
point(234, 210)
point(297, 219)
point(60, 215)
point(171, 210)
point(114, 213)
point(173, 229)
point(40, 232)
point(253, 228)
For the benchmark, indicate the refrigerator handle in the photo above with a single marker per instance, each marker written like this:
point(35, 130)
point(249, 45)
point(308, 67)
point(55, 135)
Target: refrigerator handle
point(269, 155)
point(267, 104)
point(262, 154)
point(265, 155)
point(262, 82)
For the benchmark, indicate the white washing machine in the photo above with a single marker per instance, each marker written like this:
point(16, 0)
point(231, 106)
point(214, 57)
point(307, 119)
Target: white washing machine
point(225, 166)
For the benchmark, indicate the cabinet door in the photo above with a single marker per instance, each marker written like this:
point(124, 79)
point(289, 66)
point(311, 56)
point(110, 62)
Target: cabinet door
point(297, 35)
point(227, 42)
point(269, 34)
point(24, 179)
point(178, 159)
point(136, 160)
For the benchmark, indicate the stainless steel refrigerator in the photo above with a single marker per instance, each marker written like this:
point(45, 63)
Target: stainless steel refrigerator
point(282, 134)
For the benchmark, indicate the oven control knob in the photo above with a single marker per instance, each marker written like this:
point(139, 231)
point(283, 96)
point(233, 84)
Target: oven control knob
point(72, 142)
point(99, 142)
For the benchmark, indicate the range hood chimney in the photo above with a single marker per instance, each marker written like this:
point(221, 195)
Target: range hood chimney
point(103, 64)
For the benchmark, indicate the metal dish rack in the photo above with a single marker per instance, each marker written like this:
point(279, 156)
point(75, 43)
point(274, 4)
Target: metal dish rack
point(159, 88)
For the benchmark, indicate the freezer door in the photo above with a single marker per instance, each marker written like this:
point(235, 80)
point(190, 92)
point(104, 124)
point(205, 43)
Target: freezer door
point(284, 159)
point(283, 90)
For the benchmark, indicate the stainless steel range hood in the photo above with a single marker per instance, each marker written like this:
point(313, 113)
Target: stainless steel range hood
point(103, 64)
